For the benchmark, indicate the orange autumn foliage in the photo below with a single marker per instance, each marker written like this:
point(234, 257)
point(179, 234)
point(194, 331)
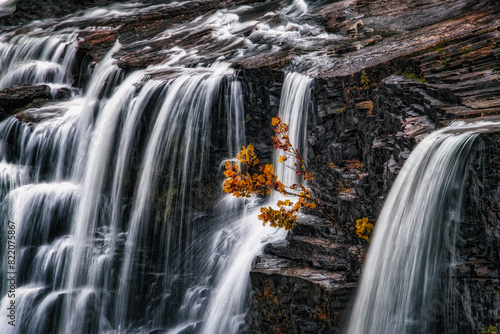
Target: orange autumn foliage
point(255, 178)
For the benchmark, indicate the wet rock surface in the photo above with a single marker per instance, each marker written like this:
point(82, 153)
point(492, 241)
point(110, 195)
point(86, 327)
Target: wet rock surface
point(382, 30)
point(23, 95)
point(295, 299)
point(261, 90)
point(303, 284)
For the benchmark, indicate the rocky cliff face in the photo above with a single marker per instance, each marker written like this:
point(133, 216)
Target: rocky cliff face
point(397, 71)
point(477, 269)
point(369, 116)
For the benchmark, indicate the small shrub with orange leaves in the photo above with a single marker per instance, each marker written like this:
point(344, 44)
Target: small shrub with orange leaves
point(259, 179)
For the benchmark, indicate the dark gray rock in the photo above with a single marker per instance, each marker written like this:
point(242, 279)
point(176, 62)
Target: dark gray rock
point(29, 10)
point(290, 298)
point(18, 96)
point(360, 137)
point(477, 270)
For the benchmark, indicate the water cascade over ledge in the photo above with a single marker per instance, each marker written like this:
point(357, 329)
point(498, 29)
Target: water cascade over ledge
point(120, 225)
point(407, 270)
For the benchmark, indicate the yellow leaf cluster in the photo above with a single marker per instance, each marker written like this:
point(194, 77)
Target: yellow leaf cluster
point(247, 156)
point(286, 214)
point(283, 217)
point(261, 180)
point(281, 141)
point(364, 228)
point(490, 330)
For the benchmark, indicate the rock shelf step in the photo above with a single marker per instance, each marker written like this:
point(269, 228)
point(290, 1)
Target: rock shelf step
point(289, 296)
point(315, 252)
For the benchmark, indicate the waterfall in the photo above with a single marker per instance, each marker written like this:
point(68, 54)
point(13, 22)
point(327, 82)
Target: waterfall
point(37, 60)
point(99, 237)
point(7, 7)
point(295, 102)
point(88, 226)
point(120, 221)
point(411, 250)
point(126, 148)
point(228, 305)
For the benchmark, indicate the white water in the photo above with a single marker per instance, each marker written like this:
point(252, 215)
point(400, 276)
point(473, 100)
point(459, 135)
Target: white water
point(403, 284)
point(7, 7)
point(37, 59)
point(119, 227)
point(77, 246)
point(228, 306)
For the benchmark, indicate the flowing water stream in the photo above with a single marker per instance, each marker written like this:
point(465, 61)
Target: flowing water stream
point(406, 286)
point(120, 226)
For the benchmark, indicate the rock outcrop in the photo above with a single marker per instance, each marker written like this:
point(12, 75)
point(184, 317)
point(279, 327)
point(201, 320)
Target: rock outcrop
point(477, 270)
point(303, 284)
point(369, 116)
point(27, 11)
point(22, 96)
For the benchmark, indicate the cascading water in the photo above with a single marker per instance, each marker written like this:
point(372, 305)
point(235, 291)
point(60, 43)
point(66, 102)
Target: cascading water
point(90, 223)
point(37, 60)
point(7, 7)
point(227, 307)
point(120, 225)
point(406, 268)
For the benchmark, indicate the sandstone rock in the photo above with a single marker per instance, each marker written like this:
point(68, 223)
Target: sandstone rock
point(356, 28)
